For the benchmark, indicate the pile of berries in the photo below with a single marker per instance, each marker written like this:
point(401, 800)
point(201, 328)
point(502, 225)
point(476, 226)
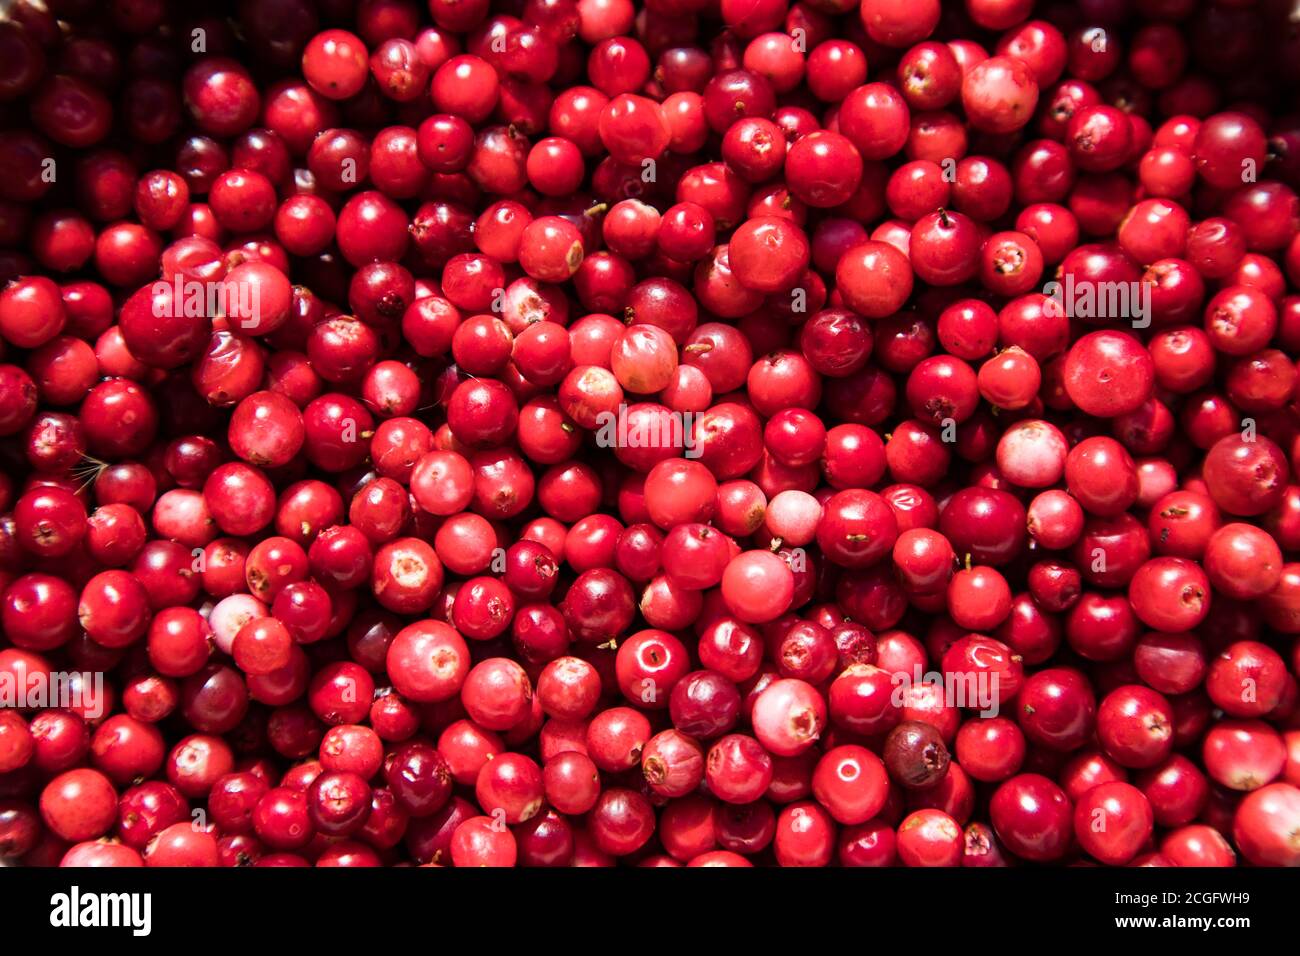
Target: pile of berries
point(679, 432)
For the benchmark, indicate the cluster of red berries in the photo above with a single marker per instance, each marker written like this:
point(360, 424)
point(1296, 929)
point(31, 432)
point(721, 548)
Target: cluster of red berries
point(697, 432)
